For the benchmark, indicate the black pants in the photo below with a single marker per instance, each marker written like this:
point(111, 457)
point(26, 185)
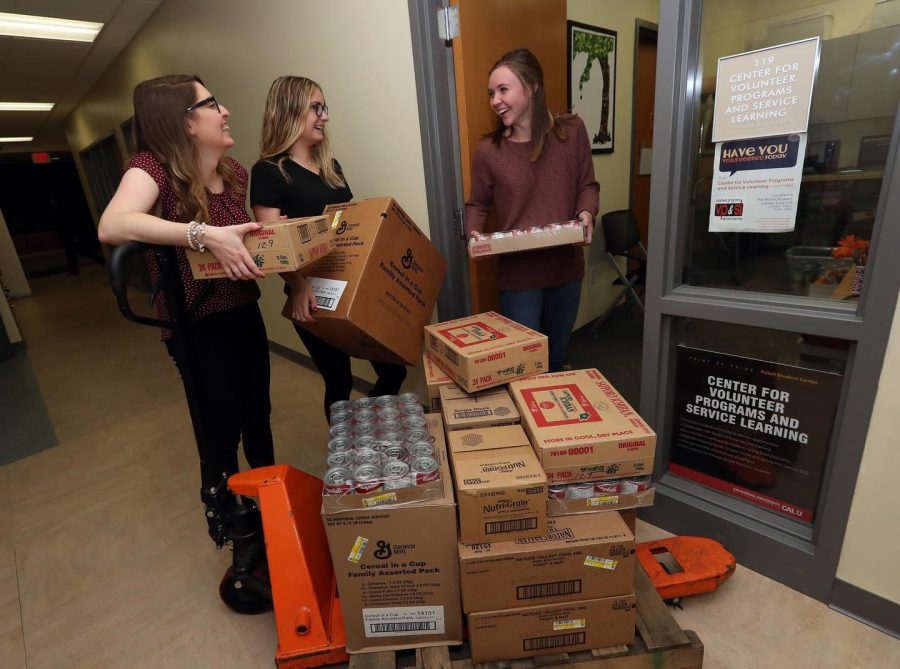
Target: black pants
point(334, 366)
point(228, 359)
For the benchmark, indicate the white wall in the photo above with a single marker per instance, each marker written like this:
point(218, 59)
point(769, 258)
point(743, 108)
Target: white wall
point(10, 266)
point(360, 53)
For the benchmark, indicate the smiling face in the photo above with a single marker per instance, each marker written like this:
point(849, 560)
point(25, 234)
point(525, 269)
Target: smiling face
point(313, 124)
point(207, 124)
point(510, 99)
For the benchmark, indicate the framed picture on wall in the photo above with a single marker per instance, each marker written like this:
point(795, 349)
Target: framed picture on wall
point(591, 69)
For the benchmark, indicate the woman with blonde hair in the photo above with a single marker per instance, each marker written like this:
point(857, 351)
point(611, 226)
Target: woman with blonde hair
point(181, 190)
point(296, 176)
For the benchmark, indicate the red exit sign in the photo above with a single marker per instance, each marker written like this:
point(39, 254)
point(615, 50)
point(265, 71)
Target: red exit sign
point(40, 157)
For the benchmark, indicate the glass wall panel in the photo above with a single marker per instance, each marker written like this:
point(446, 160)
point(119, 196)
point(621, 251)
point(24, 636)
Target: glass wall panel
point(855, 98)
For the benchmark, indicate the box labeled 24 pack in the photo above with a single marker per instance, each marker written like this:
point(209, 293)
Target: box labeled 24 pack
point(486, 350)
point(377, 289)
point(580, 557)
point(397, 571)
point(581, 427)
point(278, 246)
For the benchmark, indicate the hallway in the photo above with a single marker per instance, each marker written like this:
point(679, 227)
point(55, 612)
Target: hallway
point(104, 558)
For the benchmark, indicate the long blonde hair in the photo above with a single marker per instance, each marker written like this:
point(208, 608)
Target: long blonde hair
point(287, 106)
point(159, 127)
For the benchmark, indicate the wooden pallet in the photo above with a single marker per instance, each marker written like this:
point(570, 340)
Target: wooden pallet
point(660, 644)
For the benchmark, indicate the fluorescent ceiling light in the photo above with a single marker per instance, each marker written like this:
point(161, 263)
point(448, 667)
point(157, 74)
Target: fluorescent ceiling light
point(26, 106)
point(7, 140)
point(44, 27)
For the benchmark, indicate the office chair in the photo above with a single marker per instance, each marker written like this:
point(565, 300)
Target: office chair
point(621, 235)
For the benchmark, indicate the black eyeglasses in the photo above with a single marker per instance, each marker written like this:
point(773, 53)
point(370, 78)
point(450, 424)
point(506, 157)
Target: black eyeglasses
point(319, 109)
point(205, 102)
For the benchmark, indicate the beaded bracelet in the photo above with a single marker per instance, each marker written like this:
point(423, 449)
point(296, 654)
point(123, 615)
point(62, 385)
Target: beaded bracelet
point(195, 232)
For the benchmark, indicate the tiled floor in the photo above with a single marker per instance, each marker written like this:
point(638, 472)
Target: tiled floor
point(104, 559)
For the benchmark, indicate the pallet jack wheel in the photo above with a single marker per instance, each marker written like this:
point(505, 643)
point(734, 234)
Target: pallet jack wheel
point(249, 595)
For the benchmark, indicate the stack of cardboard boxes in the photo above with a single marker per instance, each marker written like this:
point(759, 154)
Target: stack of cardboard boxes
point(538, 465)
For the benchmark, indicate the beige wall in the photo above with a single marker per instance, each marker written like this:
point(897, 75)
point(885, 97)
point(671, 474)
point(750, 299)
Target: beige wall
point(360, 52)
point(613, 170)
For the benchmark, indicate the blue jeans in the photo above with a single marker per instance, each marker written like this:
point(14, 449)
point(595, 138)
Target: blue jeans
point(551, 311)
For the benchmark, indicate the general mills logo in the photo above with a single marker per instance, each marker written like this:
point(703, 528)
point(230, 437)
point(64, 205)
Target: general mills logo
point(407, 260)
point(341, 228)
point(383, 552)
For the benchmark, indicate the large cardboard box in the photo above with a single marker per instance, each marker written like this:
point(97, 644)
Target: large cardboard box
point(377, 289)
point(486, 350)
point(488, 408)
point(580, 557)
point(397, 572)
point(278, 246)
point(435, 377)
point(552, 628)
point(513, 241)
point(581, 427)
point(501, 489)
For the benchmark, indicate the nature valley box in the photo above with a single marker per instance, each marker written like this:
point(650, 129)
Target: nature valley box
point(501, 489)
point(581, 427)
point(278, 246)
point(486, 350)
point(435, 377)
point(463, 411)
point(397, 571)
point(551, 629)
point(377, 289)
point(580, 557)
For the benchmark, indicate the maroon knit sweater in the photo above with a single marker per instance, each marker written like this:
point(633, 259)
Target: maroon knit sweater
point(554, 188)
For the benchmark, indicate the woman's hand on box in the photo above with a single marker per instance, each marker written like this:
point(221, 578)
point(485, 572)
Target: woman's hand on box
point(227, 245)
point(303, 301)
point(587, 220)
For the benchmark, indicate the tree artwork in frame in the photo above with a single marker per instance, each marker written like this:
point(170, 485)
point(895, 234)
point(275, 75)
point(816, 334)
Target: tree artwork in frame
point(592, 90)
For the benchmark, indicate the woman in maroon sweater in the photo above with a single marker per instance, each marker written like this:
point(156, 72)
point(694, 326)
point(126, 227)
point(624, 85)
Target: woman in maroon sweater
point(534, 169)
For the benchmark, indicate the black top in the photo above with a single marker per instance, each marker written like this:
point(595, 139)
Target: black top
point(306, 194)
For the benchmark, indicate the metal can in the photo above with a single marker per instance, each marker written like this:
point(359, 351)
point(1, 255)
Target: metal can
point(339, 416)
point(364, 416)
point(412, 410)
point(415, 422)
point(367, 478)
point(390, 427)
point(395, 452)
point(366, 429)
point(388, 413)
point(580, 490)
point(365, 441)
point(340, 459)
point(636, 484)
point(386, 401)
point(396, 475)
point(341, 430)
point(556, 491)
point(338, 481)
point(417, 434)
point(385, 439)
point(339, 406)
point(422, 448)
point(607, 487)
point(361, 403)
point(336, 444)
point(425, 469)
point(366, 456)
point(408, 399)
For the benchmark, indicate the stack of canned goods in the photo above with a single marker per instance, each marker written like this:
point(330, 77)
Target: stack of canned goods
point(585, 490)
point(501, 234)
point(379, 443)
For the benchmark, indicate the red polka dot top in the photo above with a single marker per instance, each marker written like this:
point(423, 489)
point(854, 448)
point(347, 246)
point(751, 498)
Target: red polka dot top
point(206, 296)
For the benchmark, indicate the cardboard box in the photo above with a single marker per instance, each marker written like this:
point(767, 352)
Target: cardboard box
point(486, 350)
point(377, 289)
point(501, 489)
point(552, 628)
point(398, 573)
point(581, 427)
point(558, 234)
point(580, 557)
point(464, 411)
point(417, 493)
point(600, 502)
point(435, 377)
point(278, 246)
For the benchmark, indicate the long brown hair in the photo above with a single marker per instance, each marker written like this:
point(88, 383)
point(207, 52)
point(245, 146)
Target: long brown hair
point(287, 107)
point(527, 68)
point(159, 127)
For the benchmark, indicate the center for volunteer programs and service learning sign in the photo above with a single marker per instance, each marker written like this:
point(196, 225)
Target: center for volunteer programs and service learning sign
point(760, 121)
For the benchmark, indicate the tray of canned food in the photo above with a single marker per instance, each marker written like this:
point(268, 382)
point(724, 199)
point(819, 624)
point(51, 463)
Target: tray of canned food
point(526, 239)
point(610, 495)
point(381, 450)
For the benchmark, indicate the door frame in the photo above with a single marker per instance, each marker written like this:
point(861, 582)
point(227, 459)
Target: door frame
point(803, 558)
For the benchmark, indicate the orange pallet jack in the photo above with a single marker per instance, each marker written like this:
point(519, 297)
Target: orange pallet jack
point(683, 566)
point(308, 615)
